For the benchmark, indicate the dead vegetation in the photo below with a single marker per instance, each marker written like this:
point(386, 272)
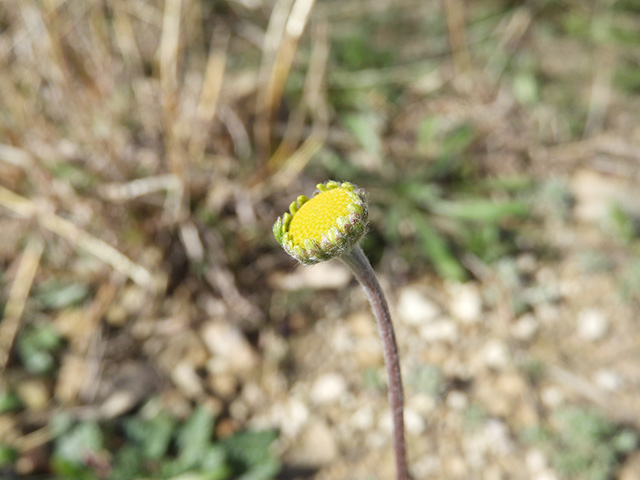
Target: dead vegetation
point(147, 147)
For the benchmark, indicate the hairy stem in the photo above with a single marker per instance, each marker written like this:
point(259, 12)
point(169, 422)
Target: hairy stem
point(359, 264)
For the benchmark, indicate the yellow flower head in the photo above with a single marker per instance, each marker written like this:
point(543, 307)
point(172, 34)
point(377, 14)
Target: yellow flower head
point(327, 225)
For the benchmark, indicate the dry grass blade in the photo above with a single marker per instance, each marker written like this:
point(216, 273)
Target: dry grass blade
point(221, 278)
point(76, 236)
point(51, 64)
point(513, 33)
point(299, 159)
point(168, 53)
point(210, 94)
point(420, 73)
point(214, 74)
point(15, 156)
point(191, 241)
point(605, 58)
point(457, 35)
point(33, 439)
point(237, 131)
point(122, 192)
point(168, 60)
point(97, 247)
point(600, 92)
point(126, 38)
point(16, 203)
point(18, 294)
point(272, 41)
point(274, 73)
point(314, 102)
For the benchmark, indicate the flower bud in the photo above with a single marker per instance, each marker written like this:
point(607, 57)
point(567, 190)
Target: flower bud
point(325, 226)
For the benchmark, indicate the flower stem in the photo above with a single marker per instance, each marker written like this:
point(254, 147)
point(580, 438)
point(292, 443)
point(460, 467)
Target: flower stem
point(359, 264)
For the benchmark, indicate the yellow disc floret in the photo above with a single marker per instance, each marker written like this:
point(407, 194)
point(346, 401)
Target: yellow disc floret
point(325, 226)
point(318, 215)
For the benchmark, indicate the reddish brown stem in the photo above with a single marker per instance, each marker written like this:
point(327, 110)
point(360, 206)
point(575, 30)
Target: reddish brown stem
point(359, 264)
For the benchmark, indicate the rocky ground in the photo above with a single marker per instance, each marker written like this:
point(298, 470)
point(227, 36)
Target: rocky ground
point(478, 375)
point(146, 148)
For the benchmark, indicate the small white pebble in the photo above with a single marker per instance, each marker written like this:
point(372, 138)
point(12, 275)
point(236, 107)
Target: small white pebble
point(547, 313)
point(376, 439)
point(536, 461)
point(325, 275)
point(426, 466)
point(465, 302)
point(525, 327)
point(546, 475)
point(608, 380)
point(552, 397)
point(413, 422)
point(186, 378)
point(526, 263)
point(290, 416)
point(328, 388)
point(495, 354)
point(592, 324)
point(231, 351)
point(457, 400)
point(439, 331)
point(363, 418)
point(34, 393)
point(498, 437)
point(414, 307)
point(422, 403)
point(316, 446)
point(546, 276)
point(385, 422)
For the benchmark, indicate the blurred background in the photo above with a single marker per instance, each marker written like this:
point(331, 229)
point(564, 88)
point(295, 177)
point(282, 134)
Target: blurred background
point(152, 328)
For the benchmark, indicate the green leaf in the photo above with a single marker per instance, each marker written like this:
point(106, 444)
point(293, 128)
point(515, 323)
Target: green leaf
point(525, 88)
point(473, 416)
point(54, 294)
point(153, 436)
point(353, 51)
point(457, 141)
point(436, 248)
point(428, 130)
point(68, 470)
point(74, 446)
point(372, 380)
point(60, 423)
point(427, 379)
point(581, 428)
point(8, 455)
point(9, 402)
point(80, 178)
point(422, 194)
point(221, 473)
point(266, 470)
point(622, 224)
point(486, 241)
point(215, 463)
point(627, 77)
point(481, 209)
point(128, 462)
point(194, 439)
point(626, 441)
point(583, 443)
point(513, 183)
point(250, 449)
point(36, 348)
point(366, 128)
